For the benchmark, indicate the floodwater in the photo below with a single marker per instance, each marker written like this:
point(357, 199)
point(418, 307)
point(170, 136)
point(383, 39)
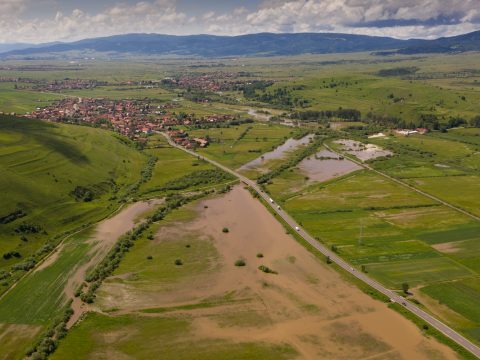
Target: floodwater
point(266, 117)
point(106, 235)
point(277, 153)
point(307, 305)
point(362, 151)
point(326, 165)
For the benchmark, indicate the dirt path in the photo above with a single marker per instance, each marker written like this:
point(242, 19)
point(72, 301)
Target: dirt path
point(404, 184)
point(306, 305)
point(106, 235)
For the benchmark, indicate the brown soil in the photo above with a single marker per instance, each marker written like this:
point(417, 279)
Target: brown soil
point(326, 169)
point(50, 259)
point(450, 247)
point(278, 153)
point(106, 235)
point(307, 304)
point(14, 337)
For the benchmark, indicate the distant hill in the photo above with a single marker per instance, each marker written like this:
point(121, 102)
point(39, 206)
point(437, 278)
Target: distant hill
point(20, 46)
point(262, 44)
point(455, 44)
point(11, 47)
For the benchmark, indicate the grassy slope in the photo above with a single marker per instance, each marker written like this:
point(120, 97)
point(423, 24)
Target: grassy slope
point(41, 164)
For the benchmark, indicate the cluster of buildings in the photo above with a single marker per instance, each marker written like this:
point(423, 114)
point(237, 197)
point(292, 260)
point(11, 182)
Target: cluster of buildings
point(211, 82)
point(181, 137)
point(132, 118)
point(68, 84)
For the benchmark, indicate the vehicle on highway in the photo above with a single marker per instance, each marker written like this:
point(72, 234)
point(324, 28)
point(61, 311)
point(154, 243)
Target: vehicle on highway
point(297, 228)
point(271, 200)
point(278, 207)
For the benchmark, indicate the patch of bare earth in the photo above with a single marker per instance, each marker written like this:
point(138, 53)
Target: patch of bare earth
point(106, 235)
point(306, 305)
point(14, 337)
point(448, 248)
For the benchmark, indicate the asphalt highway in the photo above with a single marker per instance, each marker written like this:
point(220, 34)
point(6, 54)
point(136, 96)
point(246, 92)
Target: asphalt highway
point(393, 296)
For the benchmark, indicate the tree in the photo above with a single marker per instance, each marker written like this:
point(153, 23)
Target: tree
point(405, 288)
point(475, 122)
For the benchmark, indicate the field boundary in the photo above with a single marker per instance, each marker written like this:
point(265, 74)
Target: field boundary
point(299, 231)
point(411, 187)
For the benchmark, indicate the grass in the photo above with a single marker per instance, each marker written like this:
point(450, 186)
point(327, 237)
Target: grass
point(168, 336)
point(16, 339)
point(226, 149)
point(43, 163)
point(171, 164)
point(443, 165)
point(39, 297)
point(20, 102)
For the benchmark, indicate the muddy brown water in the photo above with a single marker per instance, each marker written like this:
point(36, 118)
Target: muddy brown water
point(307, 305)
point(106, 235)
point(326, 165)
point(278, 153)
point(363, 151)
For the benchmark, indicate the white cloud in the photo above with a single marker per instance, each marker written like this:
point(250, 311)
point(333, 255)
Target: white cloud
point(397, 18)
point(144, 16)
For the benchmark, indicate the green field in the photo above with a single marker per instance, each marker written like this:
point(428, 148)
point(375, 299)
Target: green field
point(393, 233)
point(158, 335)
point(21, 102)
point(445, 165)
point(42, 164)
point(227, 149)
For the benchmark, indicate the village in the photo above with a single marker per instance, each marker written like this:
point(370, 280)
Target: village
point(135, 119)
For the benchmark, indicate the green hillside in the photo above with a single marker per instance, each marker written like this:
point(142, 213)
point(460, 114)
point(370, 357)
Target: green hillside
point(56, 178)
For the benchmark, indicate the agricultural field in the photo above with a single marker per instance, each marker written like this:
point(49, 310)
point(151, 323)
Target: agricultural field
point(55, 179)
point(42, 295)
point(446, 165)
point(394, 234)
point(191, 283)
point(235, 146)
point(21, 102)
point(216, 303)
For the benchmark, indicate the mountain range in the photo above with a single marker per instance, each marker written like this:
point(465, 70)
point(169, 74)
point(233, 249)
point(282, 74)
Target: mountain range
point(261, 44)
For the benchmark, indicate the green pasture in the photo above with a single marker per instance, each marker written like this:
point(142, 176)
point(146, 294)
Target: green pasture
point(42, 163)
point(171, 164)
point(461, 191)
point(197, 253)
point(228, 149)
point(169, 336)
point(22, 101)
point(37, 298)
point(461, 296)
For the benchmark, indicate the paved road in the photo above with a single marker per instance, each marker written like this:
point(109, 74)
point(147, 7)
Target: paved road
point(447, 331)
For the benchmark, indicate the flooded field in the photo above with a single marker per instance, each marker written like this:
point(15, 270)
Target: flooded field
point(362, 151)
point(305, 305)
point(277, 153)
point(326, 165)
point(262, 116)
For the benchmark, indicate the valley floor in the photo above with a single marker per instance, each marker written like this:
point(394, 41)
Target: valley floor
point(208, 308)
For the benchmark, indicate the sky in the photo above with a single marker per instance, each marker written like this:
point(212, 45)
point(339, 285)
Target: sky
point(40, 21)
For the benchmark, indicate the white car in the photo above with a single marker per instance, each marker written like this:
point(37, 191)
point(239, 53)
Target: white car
point(278, 207)
point(297, 228)
point(271, 200)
